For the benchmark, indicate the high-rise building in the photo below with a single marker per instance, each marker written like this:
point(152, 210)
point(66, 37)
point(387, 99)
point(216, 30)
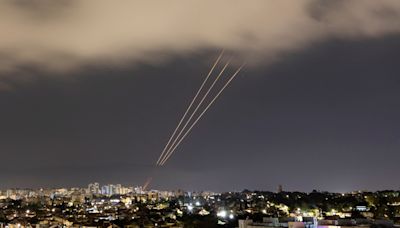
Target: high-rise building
point(94, 188)
point(111, 189)
point(280, 188)
point(106, 190)
point(118, 189)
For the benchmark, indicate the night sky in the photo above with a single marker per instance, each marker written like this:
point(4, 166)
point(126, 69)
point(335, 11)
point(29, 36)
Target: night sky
point(320, 116)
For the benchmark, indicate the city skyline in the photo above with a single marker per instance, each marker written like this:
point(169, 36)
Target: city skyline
point(117, 205)
point(314, 108)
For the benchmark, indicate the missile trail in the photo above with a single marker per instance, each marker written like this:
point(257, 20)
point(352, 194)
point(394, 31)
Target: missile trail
point(196, 109)
point(189, 107)
point(202, 113)
point(199, 117)
point(147, 183)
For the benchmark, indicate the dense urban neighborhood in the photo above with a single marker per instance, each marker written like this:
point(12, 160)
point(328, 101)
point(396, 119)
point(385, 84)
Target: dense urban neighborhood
point(119, 206)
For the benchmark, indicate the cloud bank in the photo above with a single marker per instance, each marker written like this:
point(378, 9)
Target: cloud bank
point(64, 35)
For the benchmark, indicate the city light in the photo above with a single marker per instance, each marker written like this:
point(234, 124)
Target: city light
point(77, 206)
point(222, 214)
point(264, 211)
point(264, 114)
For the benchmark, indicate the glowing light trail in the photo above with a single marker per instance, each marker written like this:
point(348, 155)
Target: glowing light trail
point(189, 107)
point(195, 111)
point(147, 183)
point(168, 155)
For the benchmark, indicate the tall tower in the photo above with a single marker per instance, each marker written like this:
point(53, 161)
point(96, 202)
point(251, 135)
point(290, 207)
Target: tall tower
point(280, 188)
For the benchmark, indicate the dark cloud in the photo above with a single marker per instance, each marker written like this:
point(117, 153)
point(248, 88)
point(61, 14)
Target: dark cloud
point(64, 36)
